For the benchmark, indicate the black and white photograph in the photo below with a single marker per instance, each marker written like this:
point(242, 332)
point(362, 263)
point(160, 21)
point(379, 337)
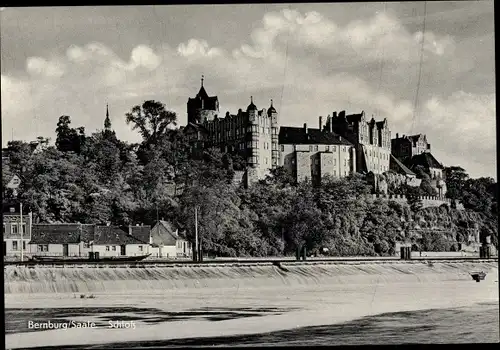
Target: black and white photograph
point(251, 174)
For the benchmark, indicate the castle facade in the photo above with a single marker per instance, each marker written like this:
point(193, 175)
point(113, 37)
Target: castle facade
point(252, 134)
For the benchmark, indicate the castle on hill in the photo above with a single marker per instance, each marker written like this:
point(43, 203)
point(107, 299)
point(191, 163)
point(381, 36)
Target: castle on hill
point(342, 145)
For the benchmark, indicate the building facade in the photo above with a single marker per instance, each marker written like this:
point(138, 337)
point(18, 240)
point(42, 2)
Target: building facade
point(252, 134)
point(311, 154)
point(406, 147)
point(371, 139)
point(16, 228)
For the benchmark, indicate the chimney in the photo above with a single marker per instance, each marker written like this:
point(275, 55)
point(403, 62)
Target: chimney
point(330, 125)
point(342, 114)
point(334, 114)
point(305, 128)
point(397, 135)
point(320, 123)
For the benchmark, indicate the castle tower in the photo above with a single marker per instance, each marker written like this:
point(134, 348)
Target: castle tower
point(252, 111)
point(273, 116)
point(107, 121)
point(202, 107)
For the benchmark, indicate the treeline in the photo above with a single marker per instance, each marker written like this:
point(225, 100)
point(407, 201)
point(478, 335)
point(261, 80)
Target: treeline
point(100, 179)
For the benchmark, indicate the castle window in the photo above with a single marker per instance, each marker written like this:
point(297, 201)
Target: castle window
point(310, 148)
point(266, 160)
point(282, 148)
point(14, 229)
point(316, 148)
point(249, 144)
point(327, 148)
point(345, 162)
point(14, 245)
point(107, 248)
point(334, 172)
point(255, 144)
point(334, 161)
point(334, 148)
point(263, 130)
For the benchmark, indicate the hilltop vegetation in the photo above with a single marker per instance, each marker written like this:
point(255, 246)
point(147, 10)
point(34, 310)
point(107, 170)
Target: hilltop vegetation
point(98, 179)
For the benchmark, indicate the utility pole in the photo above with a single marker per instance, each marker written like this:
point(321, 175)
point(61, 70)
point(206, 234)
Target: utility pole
point(22, 241)
point(196, 233)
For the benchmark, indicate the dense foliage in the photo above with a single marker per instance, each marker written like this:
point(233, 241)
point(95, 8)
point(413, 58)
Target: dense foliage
point(99, 179)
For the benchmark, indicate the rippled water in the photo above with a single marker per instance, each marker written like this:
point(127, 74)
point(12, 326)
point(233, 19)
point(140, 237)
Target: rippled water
point(474, 324)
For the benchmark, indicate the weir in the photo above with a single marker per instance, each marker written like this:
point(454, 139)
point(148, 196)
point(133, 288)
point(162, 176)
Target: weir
point(20, 279)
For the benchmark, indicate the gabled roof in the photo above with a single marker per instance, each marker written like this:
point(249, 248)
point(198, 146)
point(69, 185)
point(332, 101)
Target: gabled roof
point(401, 166)
point(297, 136)
point(141, 232)
point(114, 235)
point(56, 234)
point(425, 159)
point(164, 233)
point(198, 127)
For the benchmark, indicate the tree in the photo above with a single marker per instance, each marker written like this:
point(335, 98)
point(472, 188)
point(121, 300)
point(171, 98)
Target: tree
point(413, 197)
point(152, 119)
point(455, 178)
point(69, 139)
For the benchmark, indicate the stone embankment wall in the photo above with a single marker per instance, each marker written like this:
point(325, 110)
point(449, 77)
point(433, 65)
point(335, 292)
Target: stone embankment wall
point(427, 201)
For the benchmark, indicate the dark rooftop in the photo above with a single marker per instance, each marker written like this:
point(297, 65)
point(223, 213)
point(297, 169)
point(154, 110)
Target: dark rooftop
point(297, 136)
point(401, 166)
point(56, 234)
point(425, 159)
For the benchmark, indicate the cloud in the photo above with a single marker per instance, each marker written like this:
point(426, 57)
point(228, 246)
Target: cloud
point(307, 63)
point(41, 67)
point(197, 48)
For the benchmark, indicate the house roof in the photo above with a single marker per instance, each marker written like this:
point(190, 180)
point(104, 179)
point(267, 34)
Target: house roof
point(56, 234)
point(401, 166)
point(425, 159)
point(17, 207)
point(114, 235)
point(141, 232)
point(297, 136)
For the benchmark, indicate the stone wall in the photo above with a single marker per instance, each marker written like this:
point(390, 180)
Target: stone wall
point(427, 201)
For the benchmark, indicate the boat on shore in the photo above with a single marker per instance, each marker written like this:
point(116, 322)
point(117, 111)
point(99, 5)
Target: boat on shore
point(79, 259)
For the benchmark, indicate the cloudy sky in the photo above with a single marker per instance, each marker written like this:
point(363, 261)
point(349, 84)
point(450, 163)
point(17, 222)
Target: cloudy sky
point(311, 59)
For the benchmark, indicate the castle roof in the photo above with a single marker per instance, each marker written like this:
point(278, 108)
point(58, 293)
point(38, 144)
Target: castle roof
point(209, 102)
point(297, 136)
point(425, 159)
point(271, 109)
point(403, 169)
point(251, 106)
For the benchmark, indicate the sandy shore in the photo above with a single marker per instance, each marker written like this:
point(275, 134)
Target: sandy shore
point(303, 304)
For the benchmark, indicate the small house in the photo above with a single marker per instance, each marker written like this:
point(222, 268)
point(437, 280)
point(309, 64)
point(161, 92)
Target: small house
point(166, 242)
point(121, 241)
point(60, 239)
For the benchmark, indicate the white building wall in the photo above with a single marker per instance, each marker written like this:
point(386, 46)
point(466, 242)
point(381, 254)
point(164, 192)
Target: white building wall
point(115, 250)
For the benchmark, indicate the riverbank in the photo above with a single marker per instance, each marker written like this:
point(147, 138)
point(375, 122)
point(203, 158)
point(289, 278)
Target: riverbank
point(177, 303)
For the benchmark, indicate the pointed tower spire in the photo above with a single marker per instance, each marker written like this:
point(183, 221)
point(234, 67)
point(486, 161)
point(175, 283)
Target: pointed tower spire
point(271, 108)
point(107, 121)
point(202, 78)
